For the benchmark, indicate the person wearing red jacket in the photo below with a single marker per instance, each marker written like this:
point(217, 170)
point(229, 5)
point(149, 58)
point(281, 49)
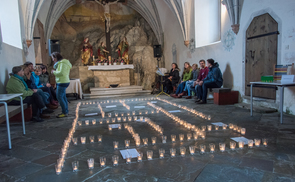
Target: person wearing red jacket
point(202, 75)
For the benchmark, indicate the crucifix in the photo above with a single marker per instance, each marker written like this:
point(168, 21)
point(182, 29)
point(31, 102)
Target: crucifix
point(106, 6)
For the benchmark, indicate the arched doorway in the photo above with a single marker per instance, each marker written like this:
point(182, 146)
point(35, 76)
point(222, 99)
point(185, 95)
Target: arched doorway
point(261, 53)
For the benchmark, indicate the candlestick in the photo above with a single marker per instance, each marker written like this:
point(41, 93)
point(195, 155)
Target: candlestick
point(212, 147)
point(257, 142)
point(232, 145)
point(127, 143)
point(173, 138)
point(91, 138)
point(115, 159)
point(154, 139)
point(172, 152)
point(192, 149)
point(182, 151)
point(99, 138)
point(102, 161)
point(149, 154)
point(222, 147)
point(202, 148)
point(116, 144)
point(90, 163)
point(75, 166)
point(264, 142)
point(83, 140)
point(161, 153)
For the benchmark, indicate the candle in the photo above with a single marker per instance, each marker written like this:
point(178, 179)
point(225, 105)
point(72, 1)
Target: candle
point(154, 139)
point(145, 141)
point(119, 119)
point(149, 154)
point(75, 166)
point(224, 126)
point(122, 114)
point(115, 159)
point(241, 144)
point(119, 126)
point(80, 123)
point(99, 138)
point(164, 138)
point(257, 142)
point(100, 121)
point(203, 128)
point(128, 159)
point(189, 136)
point(129, 118)
point(75, 141)
point(264, 142)
point(141, 118)
point(182, 151)
point(86, 122)
point(181, 137)
point(108, 120)
point(209, 117)
point(243, 131)
point(124, 119)
point(94, 122)
point(114, 120)
point(161, 153)
point(102, 161)
point(116, 114)
point(83, 140)
point(192, 149)
point(212, 147)
point(110, 115)
point(196, 136)
point(235, 127)
point(232, 145)
point(173, 138)
point(216, 127)
point(90, 163)
point(116, 143)
point(172, 152)
point(250, 143)
point(209, 127)
point(139, 157)
point(91, 138)
point(140, 112)
point(203, 135)
point(110, 128)
point(137, 142)
point(239, 129)
point(222, 147)
point(57, 169)
point(152, 111)
point(133, 113)
point(230, 126)
point(202, 148)
point(127, 143)
point(134, 118)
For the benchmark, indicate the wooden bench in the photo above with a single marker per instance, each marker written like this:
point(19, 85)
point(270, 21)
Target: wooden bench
point(15, 113)
point(225, 96)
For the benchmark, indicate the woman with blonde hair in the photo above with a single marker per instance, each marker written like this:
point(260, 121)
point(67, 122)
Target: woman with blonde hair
point(186, 75)
point(189, 86)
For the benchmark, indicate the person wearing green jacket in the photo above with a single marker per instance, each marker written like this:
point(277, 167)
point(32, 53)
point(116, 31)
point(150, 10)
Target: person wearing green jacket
point(61, 72)
point(186, 75)
point(16, 84)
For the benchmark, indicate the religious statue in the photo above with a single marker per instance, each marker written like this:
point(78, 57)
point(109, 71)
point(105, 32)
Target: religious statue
point(122, 50)
point(102, 52)
point(107, 15)
point(86, 51)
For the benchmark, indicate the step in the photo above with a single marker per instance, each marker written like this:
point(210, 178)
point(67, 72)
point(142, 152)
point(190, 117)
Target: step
point(138, 93)
point(134, 87)
point(258, 109)
point(114, 92)
point(261, 102)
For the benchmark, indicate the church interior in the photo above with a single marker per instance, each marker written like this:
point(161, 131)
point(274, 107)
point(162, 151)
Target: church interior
point(147, 90)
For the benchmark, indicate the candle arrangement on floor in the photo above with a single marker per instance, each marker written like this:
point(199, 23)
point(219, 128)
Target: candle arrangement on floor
point(124, 104)
point(156, 127)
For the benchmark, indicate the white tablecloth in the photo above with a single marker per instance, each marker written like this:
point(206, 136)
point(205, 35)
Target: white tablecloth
point(75, 87)
point(111, 67)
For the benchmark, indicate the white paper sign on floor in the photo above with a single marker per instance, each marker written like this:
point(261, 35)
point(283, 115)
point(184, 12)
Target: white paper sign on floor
point(218, 124)
point(238, 139)
point(138, 107)
point(154, 102)
point(114, 125)
point(91, 114)
point(174, 111)
point(140, 121)
point(129, 152)
point(111, 106)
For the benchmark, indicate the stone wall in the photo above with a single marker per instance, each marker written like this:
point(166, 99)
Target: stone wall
point(106, 78)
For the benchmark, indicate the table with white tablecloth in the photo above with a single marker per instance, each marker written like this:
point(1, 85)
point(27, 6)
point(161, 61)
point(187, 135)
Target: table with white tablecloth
point(75, 88)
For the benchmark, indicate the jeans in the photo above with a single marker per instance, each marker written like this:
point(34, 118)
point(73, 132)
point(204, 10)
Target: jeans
point(189, 87)
point(61, 96)
point(180, 88)
point(203, 90)
point(50, 91)
point(44, 95)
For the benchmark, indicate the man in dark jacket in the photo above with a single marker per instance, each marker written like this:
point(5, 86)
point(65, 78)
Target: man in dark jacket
point(213, 80)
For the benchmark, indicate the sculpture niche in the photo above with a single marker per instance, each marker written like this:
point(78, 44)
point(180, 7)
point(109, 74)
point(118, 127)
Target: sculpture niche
point(87, 51)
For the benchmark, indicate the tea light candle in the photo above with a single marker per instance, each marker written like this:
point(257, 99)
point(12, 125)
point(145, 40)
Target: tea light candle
point(222, 147)
point(128, 159)
point(192, 149)
point(139, 157)
point(141, 118)
point(232, 145)
point(140, 112)
point(90, 163)
point(264, 142)
point(57, 169)
point(243, 131)
point(127, 143)
point(202, 148)
point(116, 114)
point(172, 152)
point(75, 166)
point(75, 141)
point(83, 140)
point(137, 142)
point(116, 144)
point(230, 126)
point(149, 154)
point(80, 123)
point(91, 138)
point(124, 119)
point(119, 119)
point(107, 120)
point(203, 128)
point(154, 139)
point(182, 151)
point(224, 126)
point(145, 141)
point(241, 144)
point(189, 136)
point(100, 121)
point(133, 113)
point(99, 138)
point(110, 128)
point(110, 115)
point(115, 160)
point(161, 153)
point(173, 138)
point(94, 122)
point(134, 118)
point(164, 138)
point(122, 114)
point(129, 118)
point(250, 143)
point(181, 137)
point(119, 126)
point(203, 135)
point(102, 161)
point(257, 142)
point(209, 127)
point(212, 147)
point(196, 136)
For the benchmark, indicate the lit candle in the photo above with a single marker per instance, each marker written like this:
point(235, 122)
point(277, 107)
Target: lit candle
point(124, 119)
point(115, 159)
point(99, 138)
point(192, 149)
point(128, 159)
point(75, 166)
point(264, 142)
point(203, 128)
point(133, 113)
point(90, 163)
point(110, 115)
point(212, 147)
point(137, 142)
point(149, 154)
point(241, 144)
point(164, 138)
point(108, 120)
point(189, 136)
point(129, 118)
point(196, 136)
point(202, 148)
point(243, 131)
point(102, 161)
point(161, 153)
point(80, 123)
point(152, 111)
point(203, 135)
point(182, 151)
point(239, 129)
point(139, 157)
point(173, 138)
point(86, 122)
point(222, 147)
point(119, 127)
point(232, 145)
point(209, 127)
point(140, 112)
point(91, 138)
point(224, 126)
point(145, 141)
point(114, 120)
point(127, 143)
point(100, 121)
point(134, 118)
point(230, 126)
point(94, 122)
point(172, 152)
point(110, 128)
point(57, 169)
point(141, 118)
point(216, 127)
point(250, 143)
point(154, 139)
point(122, 114)
point(116, 144)
point(75, 141)
point(181, 137)
point(257, 142)
point(83, 140)
point(116, 114)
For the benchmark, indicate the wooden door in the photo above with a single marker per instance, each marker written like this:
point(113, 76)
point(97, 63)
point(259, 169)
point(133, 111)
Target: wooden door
point(261, 53)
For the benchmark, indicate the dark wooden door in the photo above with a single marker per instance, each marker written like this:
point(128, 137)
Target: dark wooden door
point(261, 53)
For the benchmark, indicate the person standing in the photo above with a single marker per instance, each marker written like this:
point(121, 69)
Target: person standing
point(61, 71)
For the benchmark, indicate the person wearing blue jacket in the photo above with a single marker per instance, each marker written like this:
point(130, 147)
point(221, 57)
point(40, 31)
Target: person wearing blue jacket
point(213, 80)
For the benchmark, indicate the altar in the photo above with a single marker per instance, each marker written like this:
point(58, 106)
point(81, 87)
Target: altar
point(106, 75)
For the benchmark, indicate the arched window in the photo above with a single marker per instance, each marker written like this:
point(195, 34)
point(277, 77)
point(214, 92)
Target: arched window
point(207, 22)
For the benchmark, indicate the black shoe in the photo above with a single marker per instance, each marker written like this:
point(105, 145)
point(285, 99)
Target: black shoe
point(198, 100)
point(47, 111)
point(202, 102)
point(37, 119)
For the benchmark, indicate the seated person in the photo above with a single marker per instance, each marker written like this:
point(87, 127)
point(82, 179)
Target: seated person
point(202, 75)
point(189, 86)
point(186, 75)
point(213, 80)
point(16, 84)
point(44, 87)
point(173, 79)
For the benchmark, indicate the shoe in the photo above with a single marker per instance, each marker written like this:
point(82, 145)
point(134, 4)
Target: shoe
point(54, 102)
point(202, 102)
point(183, 93)
point(43, 116)
point(198, 100)
point(62, 115)
point(47, 111)
point(37, 119)
point(50, 106)
point(179, 96)
point(188, 97)
point(173, 95)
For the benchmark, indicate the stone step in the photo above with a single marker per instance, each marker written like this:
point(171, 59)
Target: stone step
point(258, 109)
point(134, 87)
point(96, 96)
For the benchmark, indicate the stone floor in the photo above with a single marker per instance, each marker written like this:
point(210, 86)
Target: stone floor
point(33, 156)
